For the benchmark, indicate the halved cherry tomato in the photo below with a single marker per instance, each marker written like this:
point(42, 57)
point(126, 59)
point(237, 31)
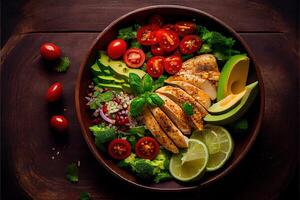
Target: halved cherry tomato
point(168, 40)
point(134, 57)
point(156, 19)
point(50, 51)
point(54, 92)
point(146, 34)
point(116, 48)
point(59, 123)
point(119, 149)
point(147, 148)
point(155, 66)
point(173, 64)
point(185, 28)
point(189, 44)
point(169, 27)
point(156, 50)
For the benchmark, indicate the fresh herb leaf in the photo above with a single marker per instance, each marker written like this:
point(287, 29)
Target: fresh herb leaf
point(148, 55)
point(136, 106)
point(150, 101)
point(102, 134)
point(163, 176)
point(72, 173)
point(63, 64)
point(135, 83)
point(85, 196)
point(205, 48)
point(100, 97)
point(147, 83)
point(135, 44)
point(159, 82)
point(144, 67)
point(127, 33)
point(156, 99)
point(188, 109)
point(138, 130)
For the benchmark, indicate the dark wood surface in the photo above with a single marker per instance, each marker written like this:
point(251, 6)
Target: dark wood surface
point(28, 142)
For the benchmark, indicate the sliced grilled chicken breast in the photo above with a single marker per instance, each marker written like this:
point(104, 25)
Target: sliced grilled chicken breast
point(169, 127)
point(195, 80)
point(195, 92)
point(157, 132)
point(181, 97)
point(176, 114)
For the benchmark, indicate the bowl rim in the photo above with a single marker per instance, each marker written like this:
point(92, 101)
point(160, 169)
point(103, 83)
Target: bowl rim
point(239, 158)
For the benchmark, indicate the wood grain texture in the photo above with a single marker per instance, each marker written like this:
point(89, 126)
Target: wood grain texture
point(24, 80)
point(95, 15)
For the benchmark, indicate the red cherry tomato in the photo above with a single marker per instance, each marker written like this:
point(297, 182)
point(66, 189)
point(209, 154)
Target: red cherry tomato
point(168, 40)
point(59, 123)
point(116, 48)
point(173, 64)
point(155, 66)
point(156, 50)
point(121, 120)
point(134, 57)
point(146, 34)
point(157, 20)
point(50, 51)
point(147, 148)
point(189, 44)
point(168, 27)
point(54, 92)
point(185, 28)
point(119, 149)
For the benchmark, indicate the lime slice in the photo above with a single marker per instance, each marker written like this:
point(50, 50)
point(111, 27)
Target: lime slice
point(189, 164)
point(219, 143)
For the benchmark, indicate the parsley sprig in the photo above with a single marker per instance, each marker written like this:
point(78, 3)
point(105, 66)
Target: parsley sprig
point(63, 64)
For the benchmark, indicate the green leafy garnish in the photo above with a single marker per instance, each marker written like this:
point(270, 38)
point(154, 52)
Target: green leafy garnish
point(102, 134)
point(136, 106)
point(135, 44)
point(188, 109)
point(147, 83)
point(159, 82)
point(135, 83)
point(156, 99)
point(85, 196)
point(100, 97)
point(138, 130)
point(72, 173)
point(63, 64)
point(148, 55)
point(128, 33)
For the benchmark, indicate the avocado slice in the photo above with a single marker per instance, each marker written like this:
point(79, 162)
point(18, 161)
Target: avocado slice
point(110, 85)
point(118, 67)
point(97, 70)
point(111, 78)
point(238, 111)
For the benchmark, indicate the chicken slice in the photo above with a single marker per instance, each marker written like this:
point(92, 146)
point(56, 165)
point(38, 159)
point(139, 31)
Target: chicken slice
point(169, 127)
point(195, 92)
point(176, 114)
point(157, 132)
point(180, 97)
point(195, 80)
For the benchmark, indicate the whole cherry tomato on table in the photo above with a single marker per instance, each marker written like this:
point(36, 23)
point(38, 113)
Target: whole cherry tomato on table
point(146, 34)
point(116, 48)
point(147, 148)
point(157, 20)
point(59, 123)
point(50, 51)
point(185, 28)
point(173, 64)
point(54, 92)
point(189, 44)
point(119, 149)
point(167, 40)
point(134, 57)
point(155, 66)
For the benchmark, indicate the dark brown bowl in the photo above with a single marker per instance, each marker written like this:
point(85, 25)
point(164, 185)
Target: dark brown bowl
point(242, 142)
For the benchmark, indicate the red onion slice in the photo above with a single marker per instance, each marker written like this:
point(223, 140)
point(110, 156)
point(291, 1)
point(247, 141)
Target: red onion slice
point(105, 118)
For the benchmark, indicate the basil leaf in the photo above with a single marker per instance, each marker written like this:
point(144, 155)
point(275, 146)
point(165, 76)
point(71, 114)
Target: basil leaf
point(138, 130)
point(135, 83)
point(159, 82)
point(150, 101)
point(136, 106)
point(188, 109)
point(156, 99)
point(72, 173)
point(147, 83)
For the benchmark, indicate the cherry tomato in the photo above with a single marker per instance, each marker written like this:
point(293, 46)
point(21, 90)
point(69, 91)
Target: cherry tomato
point(173, 64)
point(155, 66)
point(119, 149)
point(168, 40)
point(59, 123)
point(50, 51)
point(157, 20)
point(134, 57)
point(116, 48)
point(185, 28)
point(147, 148)
point(146, 34)
point(168, 27)
point(189, 44)
point(121, 119)
point(54, 92)
point(156, 50)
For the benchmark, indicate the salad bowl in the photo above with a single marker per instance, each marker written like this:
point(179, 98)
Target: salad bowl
point(242, 143)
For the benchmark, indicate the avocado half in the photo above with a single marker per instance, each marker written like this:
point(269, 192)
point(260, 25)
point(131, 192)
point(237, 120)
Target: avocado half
point(238, 111)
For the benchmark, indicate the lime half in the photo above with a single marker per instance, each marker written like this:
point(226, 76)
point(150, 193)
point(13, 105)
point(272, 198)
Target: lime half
point(190, 164)
point(219, 143)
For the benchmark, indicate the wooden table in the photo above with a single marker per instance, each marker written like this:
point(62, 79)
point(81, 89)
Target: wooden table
point(30, 146)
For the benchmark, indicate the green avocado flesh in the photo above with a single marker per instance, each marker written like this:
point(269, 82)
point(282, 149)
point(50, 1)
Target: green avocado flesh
point(238, 111)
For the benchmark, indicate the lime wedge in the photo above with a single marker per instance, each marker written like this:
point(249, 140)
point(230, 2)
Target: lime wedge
point(189, 164)
point(219, 143)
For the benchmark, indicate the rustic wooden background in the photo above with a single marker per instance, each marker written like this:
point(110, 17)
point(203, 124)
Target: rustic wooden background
point(270, 171)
